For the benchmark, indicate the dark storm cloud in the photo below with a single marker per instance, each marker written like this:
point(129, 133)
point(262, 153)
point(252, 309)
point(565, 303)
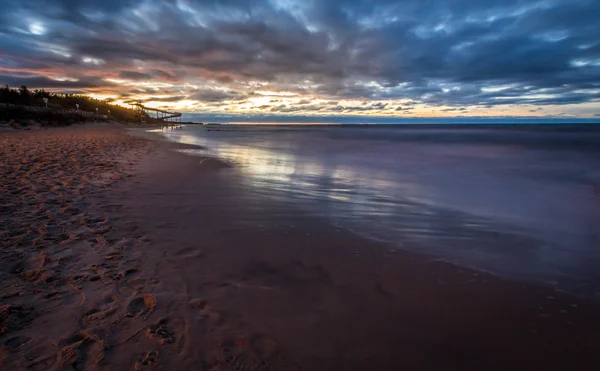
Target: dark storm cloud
point(47, 83)
point(174, 98)
point(441, 52)
point(132, 75)
point(213, 95)
point(295, 108)
point(379, 105)
point(152, 75)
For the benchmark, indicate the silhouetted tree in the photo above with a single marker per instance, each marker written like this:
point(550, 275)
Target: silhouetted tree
point(25, 95)
point(8, 95)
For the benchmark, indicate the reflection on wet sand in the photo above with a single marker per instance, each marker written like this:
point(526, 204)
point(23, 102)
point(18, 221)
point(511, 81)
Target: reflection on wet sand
point(514, 210)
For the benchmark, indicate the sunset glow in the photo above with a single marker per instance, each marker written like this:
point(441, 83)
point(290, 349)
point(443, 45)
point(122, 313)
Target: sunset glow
point(313, 58)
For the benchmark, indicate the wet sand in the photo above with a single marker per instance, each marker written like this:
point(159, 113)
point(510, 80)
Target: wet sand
point(122, 254)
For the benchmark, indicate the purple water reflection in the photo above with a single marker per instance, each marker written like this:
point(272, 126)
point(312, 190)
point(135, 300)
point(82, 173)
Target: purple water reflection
point(519, 203)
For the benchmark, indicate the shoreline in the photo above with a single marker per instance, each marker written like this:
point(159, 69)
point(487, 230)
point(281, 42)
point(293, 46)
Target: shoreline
point(207, 275)
point(500, 231)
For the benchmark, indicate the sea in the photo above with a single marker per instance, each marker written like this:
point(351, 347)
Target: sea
point(520, 201)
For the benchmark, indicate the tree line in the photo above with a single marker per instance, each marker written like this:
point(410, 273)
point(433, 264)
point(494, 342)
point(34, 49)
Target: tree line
point(24, 96)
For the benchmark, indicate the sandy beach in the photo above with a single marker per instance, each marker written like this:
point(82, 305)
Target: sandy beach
point(118, 253)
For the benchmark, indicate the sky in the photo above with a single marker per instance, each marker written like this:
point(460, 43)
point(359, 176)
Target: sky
point(313, 58)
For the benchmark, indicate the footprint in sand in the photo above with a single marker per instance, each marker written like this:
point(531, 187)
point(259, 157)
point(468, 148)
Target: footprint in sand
point(115, 255)
point(102, 309)
point(264, 345)
point(254, 352)
point(207, 314)
point(146, 360)
point(127, 273)
point(40, 355)
point(16, 342)
point(239, 355)
point(80, 351)
point(141, 306)
point(98, 225)
point(101, 312)
point(78, 279)
point(161, 332)
point(15, 317)
point(127, 282)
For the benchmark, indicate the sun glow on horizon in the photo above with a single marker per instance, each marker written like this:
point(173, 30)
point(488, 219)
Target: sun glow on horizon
point(317, 107)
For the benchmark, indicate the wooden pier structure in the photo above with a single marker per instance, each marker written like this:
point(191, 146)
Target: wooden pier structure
point(167, 118)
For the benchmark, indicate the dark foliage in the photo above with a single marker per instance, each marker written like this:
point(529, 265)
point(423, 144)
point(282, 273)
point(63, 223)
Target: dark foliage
point(35, 98)
point(44, 118)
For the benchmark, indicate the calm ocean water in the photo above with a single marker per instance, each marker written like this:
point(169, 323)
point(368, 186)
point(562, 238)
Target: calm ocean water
point(518, 203)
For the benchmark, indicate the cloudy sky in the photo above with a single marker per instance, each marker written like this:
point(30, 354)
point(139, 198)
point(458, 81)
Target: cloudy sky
point(404, 58)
